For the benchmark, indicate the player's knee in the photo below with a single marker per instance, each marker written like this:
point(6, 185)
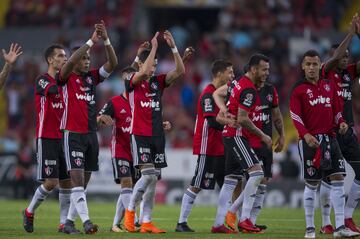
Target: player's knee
point(126, 182)
point(336, 177)
point(50, 184)
point(65, 183)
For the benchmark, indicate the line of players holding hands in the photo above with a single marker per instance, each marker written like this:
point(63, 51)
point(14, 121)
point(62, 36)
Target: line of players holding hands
point(232, 137)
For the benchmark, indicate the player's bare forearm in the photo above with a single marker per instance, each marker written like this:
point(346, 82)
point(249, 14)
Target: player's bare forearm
point(4, 74)
point(278, 121)
point(112, 60)
point(135, 65)
point(219, 97)
point(244, 121)
point(179, 71)
point(69, 65)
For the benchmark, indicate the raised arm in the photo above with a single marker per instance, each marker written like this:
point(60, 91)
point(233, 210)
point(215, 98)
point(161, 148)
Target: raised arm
point(180, 68)
point(341, 50)
point(10, 58)
point(145, 71)
point(111, 58)
point(76, 56)
point(144, 46)
point(189, 51)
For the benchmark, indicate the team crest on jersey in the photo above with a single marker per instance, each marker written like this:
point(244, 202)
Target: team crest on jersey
point(89, 80)
point(269, 97)
point(346, 77)
point(327, 87)
point(311, 171)
point(123, 169)
point(144, 158)
point(48, 170)
point(206, 183)
point(78, 162)
point(128, 119)
point(154, 86)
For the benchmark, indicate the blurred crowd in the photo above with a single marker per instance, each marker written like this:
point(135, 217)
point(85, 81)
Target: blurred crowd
point(242, 28)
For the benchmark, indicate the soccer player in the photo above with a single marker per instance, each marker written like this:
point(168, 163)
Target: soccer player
point(147, 135)
point(240, 157)
point(10, 58)
point(79, 120)
point(343, 74)
point(51, 163)
point(315, 109)
point(118, 110)
point(263, 116)
point(207, 144)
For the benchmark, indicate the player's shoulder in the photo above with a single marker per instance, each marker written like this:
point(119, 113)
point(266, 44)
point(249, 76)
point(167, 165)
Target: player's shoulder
point(298, 85)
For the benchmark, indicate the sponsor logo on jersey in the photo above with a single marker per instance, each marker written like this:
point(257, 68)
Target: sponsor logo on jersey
point(57, 105)
point(347, 95)
point(144, 150)
point(321, 100)
point(87, 97)
point(208, 106)
point(346, 77)
point(49, 162)
point(126, 129)
point(154, 86)
point(89, 80)
point(150, 104)
point(77, 154)
point(262, 117)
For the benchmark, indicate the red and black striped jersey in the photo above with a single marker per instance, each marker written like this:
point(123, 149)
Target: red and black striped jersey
point(49, 107)
point(207, 140)
point(79, 94)
point(146, 106)
point(119, 109)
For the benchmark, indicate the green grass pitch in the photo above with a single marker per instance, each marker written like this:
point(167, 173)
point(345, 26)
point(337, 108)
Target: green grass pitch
point(281, 222)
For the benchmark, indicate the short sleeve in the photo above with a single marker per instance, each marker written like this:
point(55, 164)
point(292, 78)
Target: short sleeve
point(128, 82)
point(43, 85)
point(96, 76)
point(247, 99)
point(161, 79)
point(108, 109)
point(208, 105)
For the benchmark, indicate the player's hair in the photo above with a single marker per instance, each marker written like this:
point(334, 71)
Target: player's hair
point(255, 61)
point(144, 55)
point(219, 66)
point(310, 53)
point(75, 48)
point(50, 51)
point(335, 46)
point(127, 70)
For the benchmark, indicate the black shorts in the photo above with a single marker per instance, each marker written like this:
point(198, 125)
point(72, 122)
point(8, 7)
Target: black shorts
point(148, 150)
point(265, 156)
point(122, 168)
point(309, 172)
point(209, 169)
point(239, 156)
point(81, 151)
point(350, 148)
point(50, 158)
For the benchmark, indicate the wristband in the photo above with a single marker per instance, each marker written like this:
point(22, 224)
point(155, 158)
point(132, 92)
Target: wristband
point(107, 42)
point(90, 43)
point(137, 59)
point(174, 50)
